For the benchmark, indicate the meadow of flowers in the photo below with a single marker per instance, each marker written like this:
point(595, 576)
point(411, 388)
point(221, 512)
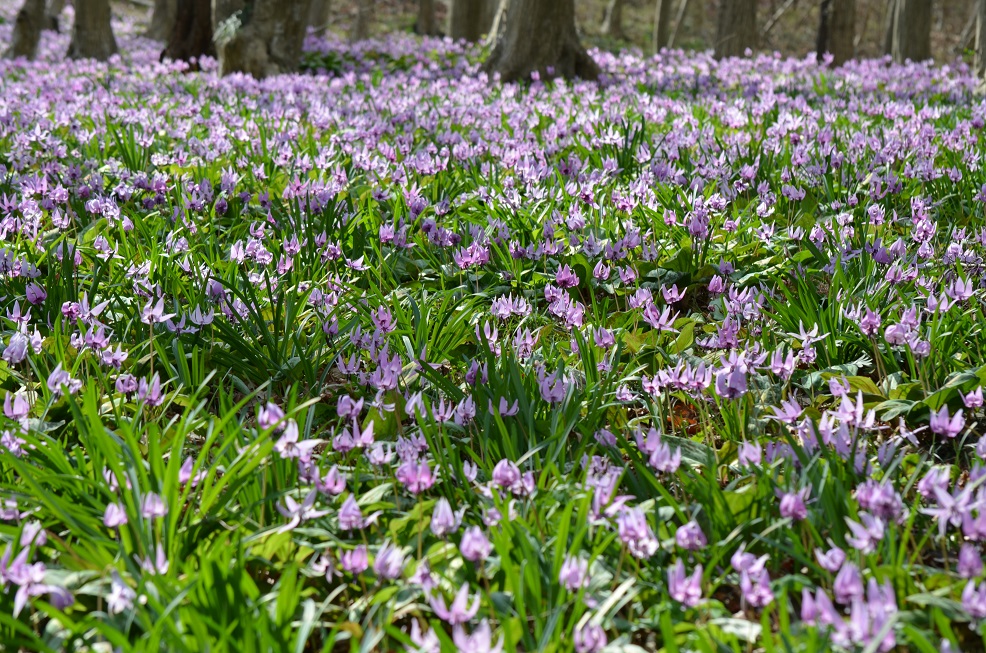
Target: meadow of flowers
point(385, 356)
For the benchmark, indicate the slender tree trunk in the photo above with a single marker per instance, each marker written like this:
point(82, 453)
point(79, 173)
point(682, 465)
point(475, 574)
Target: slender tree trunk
point(27, 30)
point(92, 34)
point(191, 31)
point(981, 39)
point(469, 19)
point(837, 30)
point(54, 11)
point(661, 37)
point(737, 28)
point(613, 20)
point(162, 19)
point(909, 30)
point(318, 15)
point(425, 25)
point(538, 36)
point(259, 37)
point(360, 28)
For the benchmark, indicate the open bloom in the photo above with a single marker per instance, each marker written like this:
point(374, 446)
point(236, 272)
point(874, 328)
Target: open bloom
point(459, 612)
point(685, 589)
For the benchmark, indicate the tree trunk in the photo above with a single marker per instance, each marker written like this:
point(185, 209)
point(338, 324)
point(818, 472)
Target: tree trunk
point(162, 19)
point(837, 30)
point(360, 29)
point(27, 30)
point(981, 39)
point(737, 28)
point(318, 14)
point(538, 36)
point(909, 30)
point(54, 11)
point(613, 20)
point(467, 19)
point(425, 25)
point(191, 32)
point(661, 37)
point(92, 34)
point(260, 37)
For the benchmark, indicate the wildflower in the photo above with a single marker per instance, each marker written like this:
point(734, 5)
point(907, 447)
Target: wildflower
point(153, 507)
point(480, 641)
point(114, 516)
point(389, 562)
point(443, 520)
point(590, 638)
point(299, 512)
point(459, 612)
point(474, 545)
point(942, 424)
point(690, 537)
point(121, 596)
point(793, 505)
point(574, 573)
point(685, 589)
point(355, 561)
point(636, 533)
point(970, 562)
point(427, 642)
point(848, 584)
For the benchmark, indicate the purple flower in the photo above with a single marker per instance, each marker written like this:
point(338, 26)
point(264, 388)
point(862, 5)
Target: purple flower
point(574, 573)
point(830, 560)
point(153, 507)
point(480, 641)
point(756, 588)
point(114, 516)
point(459, 612)
point(974, 399)
point(848, 584)
point(970, 562)
point(636, 533)
point(690, 537)
point(685, 589)
point(943, 424)
point(590, 638)
point(443, 520)
point(299, 512)
point(974, 600)
point(389, 562)
point(474, 546)
point(793, 505)
point(355, 561)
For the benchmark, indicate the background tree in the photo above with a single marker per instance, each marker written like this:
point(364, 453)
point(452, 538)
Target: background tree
point(981, 39)
point(613, 20)
point(909, 30)
point(737, 28)
point(425, 24)
point(360, 27)
point(538, 35)
point(191, 31)
point(662, 25)
point(27, 30)
point(259, 37)
point(318, 14)
point(837, 30)
point(162, 19)
point(470, 19)
point(92, 34)
point(54, 12)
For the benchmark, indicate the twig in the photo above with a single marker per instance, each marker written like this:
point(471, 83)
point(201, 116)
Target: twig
point(776, 17)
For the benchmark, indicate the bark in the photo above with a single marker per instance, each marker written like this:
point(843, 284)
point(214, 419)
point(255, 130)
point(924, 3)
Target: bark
point(837, 30)
point(737, 29)
point(613, 20)
point(909, 30)
point(162, 19)
point(360, 29)
point(538, 36)
point(318, 14)
point(259, 37)
point(425, 25)
point(661, 38)
point(470, 19)
point(54, 11)
point(191, 32)
point(981, 39)
point(27, 30)
point(92, 34)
